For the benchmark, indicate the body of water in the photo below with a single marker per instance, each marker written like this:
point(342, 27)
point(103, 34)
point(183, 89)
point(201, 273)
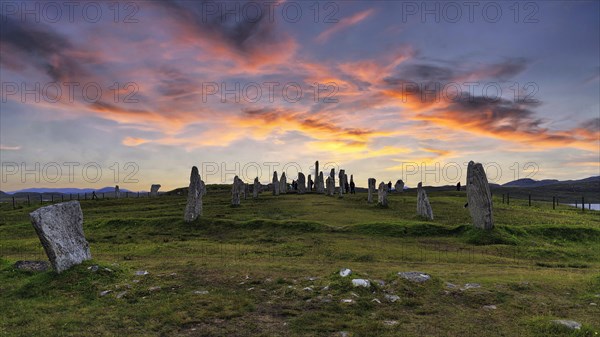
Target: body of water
point(594, 207)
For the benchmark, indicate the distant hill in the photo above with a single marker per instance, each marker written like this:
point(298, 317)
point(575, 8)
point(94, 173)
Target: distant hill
point(526, 182)
point(67, 190)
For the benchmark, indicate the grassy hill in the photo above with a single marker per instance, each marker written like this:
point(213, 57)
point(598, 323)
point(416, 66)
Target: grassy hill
point(270, 268)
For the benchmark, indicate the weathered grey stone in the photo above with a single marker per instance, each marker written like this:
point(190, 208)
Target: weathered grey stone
point(309, 183)
point(399, 186)
point(154, 189)
point(332, 176)
point(573, 325)
point(246, 187)
point(32, 265)
point(255, 188)
point(382, 195)
point(117, 192)
point(342, 180)
point(320, 184)
point(275, 184)
point(317, 169)
point(423, 206)
point(330, 186)
point(479, 197)
point(193, 209)
point(202, 187)
point(371, 191)
point(60, 229)
point(235, 192)
point(283, 186)
point(301, 182)
point(415, 276)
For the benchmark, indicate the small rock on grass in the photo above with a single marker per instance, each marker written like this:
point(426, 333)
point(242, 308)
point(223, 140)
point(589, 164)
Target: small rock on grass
point(200, 292)
point(471, 286)
point(141, 272)
point(390, 323)
point(121, 294)
point(415, 276)
point(345, 272)
point(359, 282)
point(489, 307)
point(105, 292)
point(32, 265)
point(573, 325)
point(392, 298)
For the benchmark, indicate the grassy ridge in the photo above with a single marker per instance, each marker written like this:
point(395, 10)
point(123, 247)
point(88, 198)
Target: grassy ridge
point(265, 266)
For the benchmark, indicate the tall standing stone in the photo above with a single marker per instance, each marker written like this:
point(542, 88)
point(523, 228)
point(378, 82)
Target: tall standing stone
point(117, 192)
point(309, 183)
point(255, 188)
point(202, 187)
point(399, 187)
point(301, 182)
point(372, 184)
point(154, 190)
point(283, 187)
point(193, 209)
point(235, 192)
point(332, 176)
point(317, 170)
point(320, 184)
point(423, 206)
point(330, 186)
point(275, 184)
point(341, 179)
point(60, 229)
point(382, 195)
point(479, 197)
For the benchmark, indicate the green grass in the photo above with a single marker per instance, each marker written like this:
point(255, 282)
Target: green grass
point(256, 260)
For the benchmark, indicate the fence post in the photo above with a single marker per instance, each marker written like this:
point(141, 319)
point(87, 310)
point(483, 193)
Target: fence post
point(41, 199)
point(582, 204)
point(529, 199)
point(502, 197)
point(13, 202)
point(138, 194)
point(62, 197)
point(508, 198)
point(28, 200)
point(52, 198)
point(553, 202)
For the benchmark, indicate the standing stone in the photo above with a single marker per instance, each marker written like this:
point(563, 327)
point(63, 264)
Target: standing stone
point(320, 184)
point(255, 188)
point(246, 190)
point(399, 186)
point(193, 209)
point(283, 187)
point(479, 197)
point(317, 170)
point(372, 184)
point(330, 186)
point(154, 190)
point(332, 176)
point(301, 183)
point(309, 184)
point(117, 192)
point(235, 192)
point(382, 195)
point(341, 176)
point(60, 229)
point(275, 184)
point(458, 186)
point(423, 206)
point(202, 187)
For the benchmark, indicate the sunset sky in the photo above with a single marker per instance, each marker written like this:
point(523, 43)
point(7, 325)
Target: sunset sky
point(385, 60)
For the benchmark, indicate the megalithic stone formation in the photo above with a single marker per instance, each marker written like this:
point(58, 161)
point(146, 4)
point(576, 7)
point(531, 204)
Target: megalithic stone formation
point(320, 184)
point(309, 183)
point(330, 186)
point(382, 194)
point(301, 183)
point(371, 186)
point(235, 192)
point(275, 184)
point(479, 197)
point(117, 192)
point(342, 178)
point(154, 190)
point(255, 188)
point(60, 230)
point(193, 209)
point(283, 187)
point(399, 186)
point(423, 206)
point(316, 171)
